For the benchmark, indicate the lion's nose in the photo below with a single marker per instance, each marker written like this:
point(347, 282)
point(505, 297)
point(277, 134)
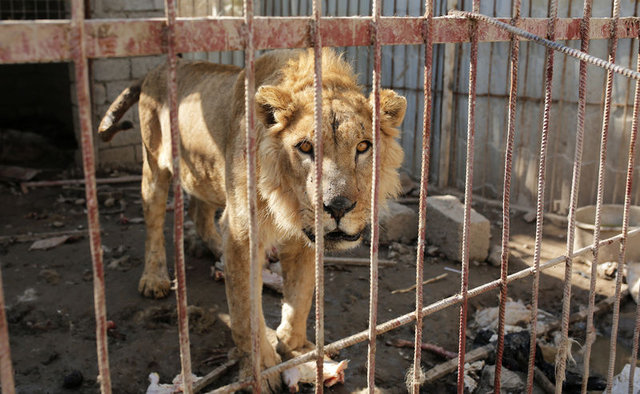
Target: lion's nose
point(338, 207)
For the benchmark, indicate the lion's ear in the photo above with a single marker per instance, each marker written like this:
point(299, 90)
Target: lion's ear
point(273, 105)
point(392, 107)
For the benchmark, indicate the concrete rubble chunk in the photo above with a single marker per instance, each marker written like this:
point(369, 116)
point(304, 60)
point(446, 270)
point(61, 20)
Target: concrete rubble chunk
point(445, 221)
point(398, 223)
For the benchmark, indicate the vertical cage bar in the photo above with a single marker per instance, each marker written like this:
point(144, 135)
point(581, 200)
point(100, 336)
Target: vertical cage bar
point(561, 358)
point(6, 368)
point(178, 201)
point(590, 334)
point(255, 266)
point(375, 228)
point(625, 230)
point(81, 68)
point(424, 177)
point(540, 200)
point(506, 194)
point(318, 206)
point(468, 191)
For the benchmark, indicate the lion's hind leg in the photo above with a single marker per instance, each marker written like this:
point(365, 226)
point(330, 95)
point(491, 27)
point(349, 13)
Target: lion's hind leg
point(299, 282)
point(155, 282)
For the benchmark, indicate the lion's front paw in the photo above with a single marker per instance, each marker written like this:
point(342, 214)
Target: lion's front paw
point(273, 382)
point(288, 352)
point(154, 285)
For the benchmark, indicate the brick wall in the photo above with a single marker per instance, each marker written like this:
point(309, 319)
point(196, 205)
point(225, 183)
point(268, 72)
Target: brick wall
point(111, 76)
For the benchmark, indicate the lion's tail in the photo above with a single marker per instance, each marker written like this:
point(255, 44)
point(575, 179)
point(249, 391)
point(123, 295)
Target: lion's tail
point(109, 125)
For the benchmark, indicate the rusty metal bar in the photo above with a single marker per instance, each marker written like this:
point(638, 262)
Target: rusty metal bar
point(426, 311)
point(178, 201)
point(318, 206)
point(468, 192)
point(49, 41)
point(554, 45)
point(424, 176)
point(590, 331)
point(561, 358)
point(540, 200)
point(506, 193)
point(81, 68)
point(255, 282)
point(6, 368)
point(375, 182)
point(621, 262)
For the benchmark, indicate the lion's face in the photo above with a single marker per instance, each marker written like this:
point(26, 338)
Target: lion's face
point(287, 154)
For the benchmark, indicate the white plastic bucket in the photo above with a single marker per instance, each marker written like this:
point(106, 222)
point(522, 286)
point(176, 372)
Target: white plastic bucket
point(611, 225)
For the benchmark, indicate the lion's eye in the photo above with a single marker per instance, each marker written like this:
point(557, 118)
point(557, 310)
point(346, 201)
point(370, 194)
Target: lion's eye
point(305, 147)
point(363, 146)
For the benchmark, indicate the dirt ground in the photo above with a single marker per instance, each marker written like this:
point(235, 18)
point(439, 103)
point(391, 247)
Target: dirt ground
point(50, 302)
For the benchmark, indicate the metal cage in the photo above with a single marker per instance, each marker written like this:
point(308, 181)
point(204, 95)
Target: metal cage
point(79, 40)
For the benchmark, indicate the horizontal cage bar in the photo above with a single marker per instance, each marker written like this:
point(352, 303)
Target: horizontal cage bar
point(49, 41)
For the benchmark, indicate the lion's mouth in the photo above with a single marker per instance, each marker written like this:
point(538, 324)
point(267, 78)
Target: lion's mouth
point(334, 236)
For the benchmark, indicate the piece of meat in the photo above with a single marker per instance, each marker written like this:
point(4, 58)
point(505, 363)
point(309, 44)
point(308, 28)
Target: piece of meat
point(333, 373)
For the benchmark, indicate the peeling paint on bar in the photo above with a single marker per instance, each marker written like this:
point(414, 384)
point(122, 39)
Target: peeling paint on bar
point(48, 41)
point(81, 68)
point(178, 201)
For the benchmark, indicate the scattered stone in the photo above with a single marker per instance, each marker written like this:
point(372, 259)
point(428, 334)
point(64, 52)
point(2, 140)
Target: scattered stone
point(495, 256)
point(105, 249)
point(137, 220)
point(444, 228)
point(121, 263)
point(401, 253)
point(44, 244)
point(433, 250)
point(119, 251)
point(398, 223)
point(87, 275)
point(510, 382)
point(57, 224)
point(79, 201)
point(73, 380)
point(529, 217)
point(51, 276)
point(109, 202)
point(29, 295)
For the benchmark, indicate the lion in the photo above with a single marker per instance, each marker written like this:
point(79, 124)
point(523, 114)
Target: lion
point(213, 171)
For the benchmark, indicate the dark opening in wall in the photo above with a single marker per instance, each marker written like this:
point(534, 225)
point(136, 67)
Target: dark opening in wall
point(36, 124)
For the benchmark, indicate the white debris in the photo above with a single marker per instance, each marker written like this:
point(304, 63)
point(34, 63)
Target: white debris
point(620, 384)
point(333, 373)
point(633, 279)
point(49, 243)
point(472, 375)
point(29, 295)
point(155, 387)
point(517, 316)
point(272, 280)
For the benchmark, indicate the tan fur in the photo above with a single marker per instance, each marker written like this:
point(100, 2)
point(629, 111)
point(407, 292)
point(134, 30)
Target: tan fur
point(213, 171)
